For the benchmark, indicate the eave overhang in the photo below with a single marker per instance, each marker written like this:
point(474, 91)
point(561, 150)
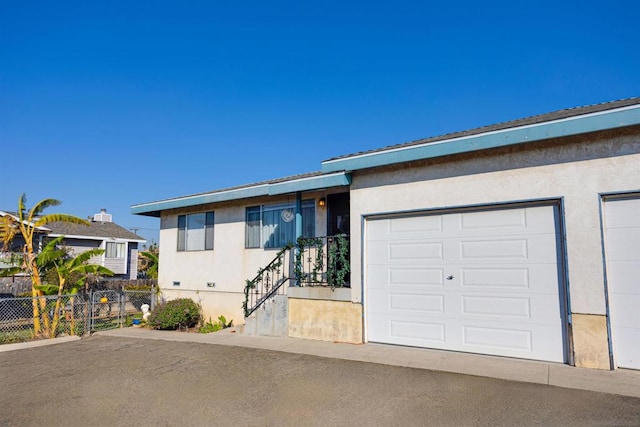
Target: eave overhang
point(600, 121)
point(295, 185)
point(97, 238)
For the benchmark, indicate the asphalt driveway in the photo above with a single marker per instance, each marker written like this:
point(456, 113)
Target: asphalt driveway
point(109, 381)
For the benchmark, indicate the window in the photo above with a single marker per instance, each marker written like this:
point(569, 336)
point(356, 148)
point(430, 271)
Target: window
point(195, 232)
point(274, 226)
point(115, 250)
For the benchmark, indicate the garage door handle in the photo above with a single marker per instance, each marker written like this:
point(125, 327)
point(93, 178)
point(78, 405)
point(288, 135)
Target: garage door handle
point(449, 277)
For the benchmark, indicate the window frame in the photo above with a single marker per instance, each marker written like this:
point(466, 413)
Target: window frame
point(185, 224)
point(257, 220)
point(122, 245)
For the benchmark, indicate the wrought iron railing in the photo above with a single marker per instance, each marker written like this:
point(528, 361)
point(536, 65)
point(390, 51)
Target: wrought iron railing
point(317, 261)
point(268, 282)
point(322, 261)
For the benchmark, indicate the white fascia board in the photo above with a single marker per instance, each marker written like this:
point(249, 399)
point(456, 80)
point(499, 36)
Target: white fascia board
point(110, 239)
point(25, 222)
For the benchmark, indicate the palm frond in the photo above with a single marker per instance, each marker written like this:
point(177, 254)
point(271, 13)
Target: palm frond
point(86, 256)
point(49, 257)
point(39, 207)
point(150, 256)
point(22, 206)
point(46, 219)
point(8, 230)
point(47, 289)
point(51, 244)
point(94, 269)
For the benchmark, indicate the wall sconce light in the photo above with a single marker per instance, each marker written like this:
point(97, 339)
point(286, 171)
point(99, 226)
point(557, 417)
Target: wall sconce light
point(322, 202)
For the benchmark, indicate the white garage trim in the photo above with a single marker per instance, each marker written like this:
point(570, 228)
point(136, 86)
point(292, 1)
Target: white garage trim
point(621, 257)
point(505, 319)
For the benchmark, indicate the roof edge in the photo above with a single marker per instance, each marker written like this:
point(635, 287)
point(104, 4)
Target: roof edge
point(568, 126)
point(277, 187)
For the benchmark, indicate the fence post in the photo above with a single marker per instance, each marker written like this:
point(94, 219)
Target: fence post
point(90, 313)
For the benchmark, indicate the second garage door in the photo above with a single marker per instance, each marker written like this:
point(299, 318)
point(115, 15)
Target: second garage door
point(476, 281)
point(622, 228)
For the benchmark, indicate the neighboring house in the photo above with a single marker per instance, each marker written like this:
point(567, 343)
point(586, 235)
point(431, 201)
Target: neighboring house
point(520, 239)
point(120, 245)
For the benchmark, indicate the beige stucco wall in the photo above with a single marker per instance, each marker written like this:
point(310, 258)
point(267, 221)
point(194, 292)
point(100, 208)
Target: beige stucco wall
point(228, 265)
point(576, 170)
point(590, 344)
point(325, 320)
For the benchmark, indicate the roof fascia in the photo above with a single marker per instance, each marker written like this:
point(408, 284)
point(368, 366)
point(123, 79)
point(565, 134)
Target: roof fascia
point(27, 223)
point(604, 120)
point(72, 236)
point(301, 184)
point(310, 183)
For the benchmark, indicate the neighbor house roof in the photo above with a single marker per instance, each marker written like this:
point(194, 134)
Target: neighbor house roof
point(94, 231)
point(15, 216)
point(562, 123)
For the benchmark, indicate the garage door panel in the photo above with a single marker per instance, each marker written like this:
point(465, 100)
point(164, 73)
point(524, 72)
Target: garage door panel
point(416, 302)
point(405, 277)
point(530, 279)
point(511, 340)
point(623, 213)
point(408, 228)
point(625, 347)
point(626, 244)
point(536, 279)
point(619, 273)
point(496, 339)
point(530, 248)
point(491, 286)
point(622, 247)
point(627, 309)
point(405, 251)
point(531, 220)
point(405, 303)
point(496, 306)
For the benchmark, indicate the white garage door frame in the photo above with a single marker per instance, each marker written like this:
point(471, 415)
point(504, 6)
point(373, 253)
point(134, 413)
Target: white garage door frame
point(563, 276)
point(604, 198)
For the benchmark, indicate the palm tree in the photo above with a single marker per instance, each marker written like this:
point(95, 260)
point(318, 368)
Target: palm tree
point(150, 264)
point(66, 268)
point(27, 223)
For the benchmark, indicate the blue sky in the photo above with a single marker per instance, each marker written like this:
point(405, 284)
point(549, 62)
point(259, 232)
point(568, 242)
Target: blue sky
point(110, 104)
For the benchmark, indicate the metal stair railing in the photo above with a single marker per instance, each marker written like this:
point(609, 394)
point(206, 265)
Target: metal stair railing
point(268, 282)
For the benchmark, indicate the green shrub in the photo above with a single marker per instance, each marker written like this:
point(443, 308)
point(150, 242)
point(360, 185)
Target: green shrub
point(215, 326)
point(174, 314)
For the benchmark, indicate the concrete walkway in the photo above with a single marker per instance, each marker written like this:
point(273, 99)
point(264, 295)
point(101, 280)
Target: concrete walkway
point(622, 382)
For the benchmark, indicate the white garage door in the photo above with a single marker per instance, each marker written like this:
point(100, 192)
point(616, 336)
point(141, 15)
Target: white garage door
point(622, 237)
point(482, 282)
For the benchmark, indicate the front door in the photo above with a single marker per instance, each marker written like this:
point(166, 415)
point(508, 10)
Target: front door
point(338, 214)
point(338, 221)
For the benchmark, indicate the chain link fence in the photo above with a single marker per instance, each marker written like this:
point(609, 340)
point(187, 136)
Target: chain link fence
point(78, 314)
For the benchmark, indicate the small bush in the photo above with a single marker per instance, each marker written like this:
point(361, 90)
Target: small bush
point(174, 314)
point(215, 326)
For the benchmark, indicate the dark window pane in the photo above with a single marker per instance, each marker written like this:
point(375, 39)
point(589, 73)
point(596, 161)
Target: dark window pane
point(182, 232)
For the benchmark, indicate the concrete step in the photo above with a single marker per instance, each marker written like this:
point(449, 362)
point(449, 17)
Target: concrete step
point(269, 320)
